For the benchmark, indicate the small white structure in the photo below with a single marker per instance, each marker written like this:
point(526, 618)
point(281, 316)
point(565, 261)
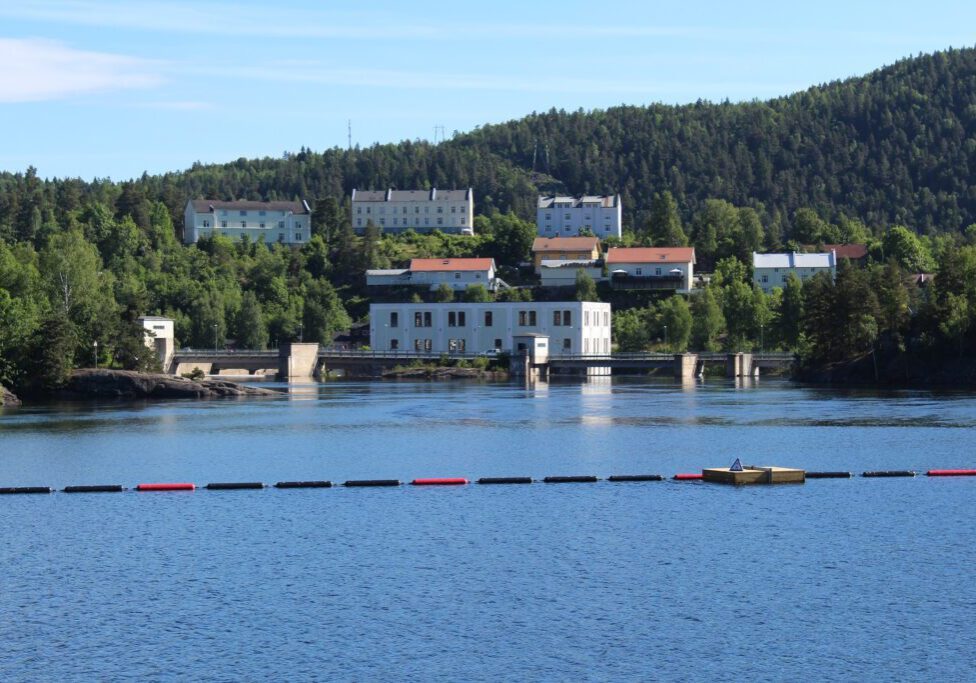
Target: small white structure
point(652, 268)
point(450, 211)
point(772, 270)
point(562, 216)
point(574, 327)
point(431, 273)
point(285, 222)
point(159, 335)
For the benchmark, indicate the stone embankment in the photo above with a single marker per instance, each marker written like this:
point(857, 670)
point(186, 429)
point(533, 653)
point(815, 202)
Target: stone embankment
point(7, 399)
point(90, 383)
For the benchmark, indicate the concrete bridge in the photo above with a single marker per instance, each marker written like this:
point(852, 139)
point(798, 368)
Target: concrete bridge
point(304, 361)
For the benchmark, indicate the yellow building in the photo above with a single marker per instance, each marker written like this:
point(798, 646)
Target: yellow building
point(564, 249)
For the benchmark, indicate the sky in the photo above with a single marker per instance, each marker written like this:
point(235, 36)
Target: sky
point(112, 89)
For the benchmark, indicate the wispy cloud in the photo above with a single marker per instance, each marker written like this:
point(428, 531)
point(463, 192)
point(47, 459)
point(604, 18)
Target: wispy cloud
point(35, 70)
point(234, 19)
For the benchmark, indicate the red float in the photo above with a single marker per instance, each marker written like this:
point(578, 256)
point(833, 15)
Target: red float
point(442, 481)
point(687, 477)
point(952, 473)
point(178, 486)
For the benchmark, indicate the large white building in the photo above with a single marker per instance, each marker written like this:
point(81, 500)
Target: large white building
point(286, 222)
point(559, 216)
point(573, 327)
point(772, 270)
point(450, 211)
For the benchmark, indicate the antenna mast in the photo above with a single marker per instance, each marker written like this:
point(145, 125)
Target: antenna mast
point(350, 133)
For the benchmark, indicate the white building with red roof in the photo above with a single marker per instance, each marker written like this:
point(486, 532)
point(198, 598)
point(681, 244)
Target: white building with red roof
point(431, 273)
point(665, 268)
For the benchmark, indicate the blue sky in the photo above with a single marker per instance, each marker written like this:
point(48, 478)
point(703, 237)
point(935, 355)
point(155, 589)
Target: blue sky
point(101, 88)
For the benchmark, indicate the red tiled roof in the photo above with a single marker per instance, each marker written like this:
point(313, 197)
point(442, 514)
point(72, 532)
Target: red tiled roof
point(651, 255)
point(851, 251)
point(565, 243)
point(438, 264)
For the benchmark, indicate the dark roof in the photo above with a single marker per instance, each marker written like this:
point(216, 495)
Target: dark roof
point(851, 251)
point(411, 195)
point(207, 205)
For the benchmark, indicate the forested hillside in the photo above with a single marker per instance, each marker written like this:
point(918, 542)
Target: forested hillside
point(887, 159)
point(897, 146)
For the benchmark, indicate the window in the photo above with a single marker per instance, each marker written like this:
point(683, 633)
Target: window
point(498, 343)
point(382, 221)
point(657, 271)
point(453, 209)
point(394, 319)
point(586, 318)
point(567, 318)
point(488, 319)
point(606, 319)
point(281, 224)
point(523, 317)
point(567, 344)
point(261, 225)
point(532, 319)
point(367, 209)
point(359, 209)
point(223, 224)
point(416, 209)
point(359, 221)
point(421, 319)
point(452, 319)
point(262, 213)
point(206, 224)
point(298, 237)
point(557, 318)
point(457, 276)
point(462, 220)
point(394, 344)
point(440, 209)
point(243, 224)
point(243, 213)
point(418, 344)
point(462, 320)
point(440, 221)
point(427, 344)
point(281, 237)
point(455, 345)
point(638, 271)
point(586, 346)
point(765, 279)
point(404, 211)
point(566, 216)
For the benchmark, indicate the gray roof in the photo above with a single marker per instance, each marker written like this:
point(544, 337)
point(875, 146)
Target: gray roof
point(606, 201)
point(208, 205)
point(432, 195)
point(795, 260)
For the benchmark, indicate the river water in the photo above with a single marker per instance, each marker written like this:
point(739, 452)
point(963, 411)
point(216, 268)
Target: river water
point(860, 579)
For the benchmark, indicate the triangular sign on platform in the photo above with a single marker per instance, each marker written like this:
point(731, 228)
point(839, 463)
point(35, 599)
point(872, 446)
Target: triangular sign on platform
point(736, 466)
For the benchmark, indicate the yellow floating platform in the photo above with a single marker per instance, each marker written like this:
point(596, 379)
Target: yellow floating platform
point(754, 475)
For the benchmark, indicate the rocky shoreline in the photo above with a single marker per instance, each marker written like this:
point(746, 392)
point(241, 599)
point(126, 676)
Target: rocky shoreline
point(7, 398)
point(89, 384)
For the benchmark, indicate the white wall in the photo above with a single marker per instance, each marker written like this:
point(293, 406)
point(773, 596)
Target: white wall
point(557, 221)
point(419, 216)
point(588, 331)
point(776, 277)
point(278, 226)
point(457, 279)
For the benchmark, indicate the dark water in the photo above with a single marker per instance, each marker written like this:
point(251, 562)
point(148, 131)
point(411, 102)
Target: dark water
point(860, 579)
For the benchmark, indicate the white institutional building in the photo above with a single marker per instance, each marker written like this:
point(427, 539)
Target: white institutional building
point(573, 327)
point(558, 216)
point(285, 222)
point(450, 211)
point(773, 270)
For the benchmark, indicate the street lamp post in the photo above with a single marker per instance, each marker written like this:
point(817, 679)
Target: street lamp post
point(215, 336)
point(95, 346)
point(666, 345)
point(301, 332)
point(762, 340)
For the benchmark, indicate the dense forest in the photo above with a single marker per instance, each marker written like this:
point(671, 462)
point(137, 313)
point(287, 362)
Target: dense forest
point(886, 159)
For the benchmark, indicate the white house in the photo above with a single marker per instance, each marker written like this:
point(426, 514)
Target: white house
point(431, 273)
point(652, 268)
point(450, 211)
point(772, 270)
point(573, 327)
point(560, 216)
point(286, 222)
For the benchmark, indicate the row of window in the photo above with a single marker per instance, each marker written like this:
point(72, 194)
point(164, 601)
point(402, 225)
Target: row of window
point(460, 345)
point(569, 216)
point(566, 228)
point(223, 212)
point(281, 236)
point(393, 209)
point(525, 318)
point(406, 222)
